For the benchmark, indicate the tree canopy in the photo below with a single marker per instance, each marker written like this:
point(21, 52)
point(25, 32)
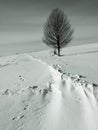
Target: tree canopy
point(57, 30)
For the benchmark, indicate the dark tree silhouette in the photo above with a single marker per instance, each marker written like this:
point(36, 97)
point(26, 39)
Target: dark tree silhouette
point(57, 31)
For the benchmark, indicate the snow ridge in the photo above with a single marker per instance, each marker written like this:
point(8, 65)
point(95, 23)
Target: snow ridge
point(78, 100)
point(63, 102)
point(70, 81)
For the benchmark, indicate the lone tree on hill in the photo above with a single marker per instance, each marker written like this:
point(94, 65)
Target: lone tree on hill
point(57, 31)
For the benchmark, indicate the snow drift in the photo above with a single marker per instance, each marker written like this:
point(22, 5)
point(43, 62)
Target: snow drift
point(78, 104)
point(37, 96)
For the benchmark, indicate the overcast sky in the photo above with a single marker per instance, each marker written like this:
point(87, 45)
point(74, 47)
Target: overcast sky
point(22, 20)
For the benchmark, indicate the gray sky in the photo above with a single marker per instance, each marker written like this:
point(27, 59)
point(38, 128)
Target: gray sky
point(22, 20)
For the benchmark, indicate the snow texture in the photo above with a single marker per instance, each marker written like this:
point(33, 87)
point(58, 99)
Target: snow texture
point(37, 95)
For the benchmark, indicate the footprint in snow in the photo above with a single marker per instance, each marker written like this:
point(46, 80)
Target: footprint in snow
point(17, 118)
point(7, 92)
point(22, 116)
point(13, 118)
point(25, 107)
point(20, 77)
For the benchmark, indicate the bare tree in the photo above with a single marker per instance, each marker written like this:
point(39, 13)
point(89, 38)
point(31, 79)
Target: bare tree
point(57, 30)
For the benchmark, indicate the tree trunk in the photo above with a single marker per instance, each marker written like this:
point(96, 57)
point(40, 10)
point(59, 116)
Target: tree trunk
point(58, 51)
point(58, 43)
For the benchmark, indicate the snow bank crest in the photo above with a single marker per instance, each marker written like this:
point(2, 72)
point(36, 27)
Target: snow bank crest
point(69, 83)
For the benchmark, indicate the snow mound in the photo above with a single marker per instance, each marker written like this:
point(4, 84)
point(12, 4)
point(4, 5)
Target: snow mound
point(38, 96)
point(69, 81)
point(79, 106)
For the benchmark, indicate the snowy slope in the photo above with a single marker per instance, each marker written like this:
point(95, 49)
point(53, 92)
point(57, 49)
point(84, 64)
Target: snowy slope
point(18, 76)
point(47, 94)
point(77, 60)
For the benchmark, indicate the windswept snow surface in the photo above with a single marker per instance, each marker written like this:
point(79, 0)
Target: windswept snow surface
point(38, 96)
point(77, 60)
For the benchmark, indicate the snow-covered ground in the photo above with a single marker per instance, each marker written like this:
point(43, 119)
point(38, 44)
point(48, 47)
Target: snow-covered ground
point(43, 92)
